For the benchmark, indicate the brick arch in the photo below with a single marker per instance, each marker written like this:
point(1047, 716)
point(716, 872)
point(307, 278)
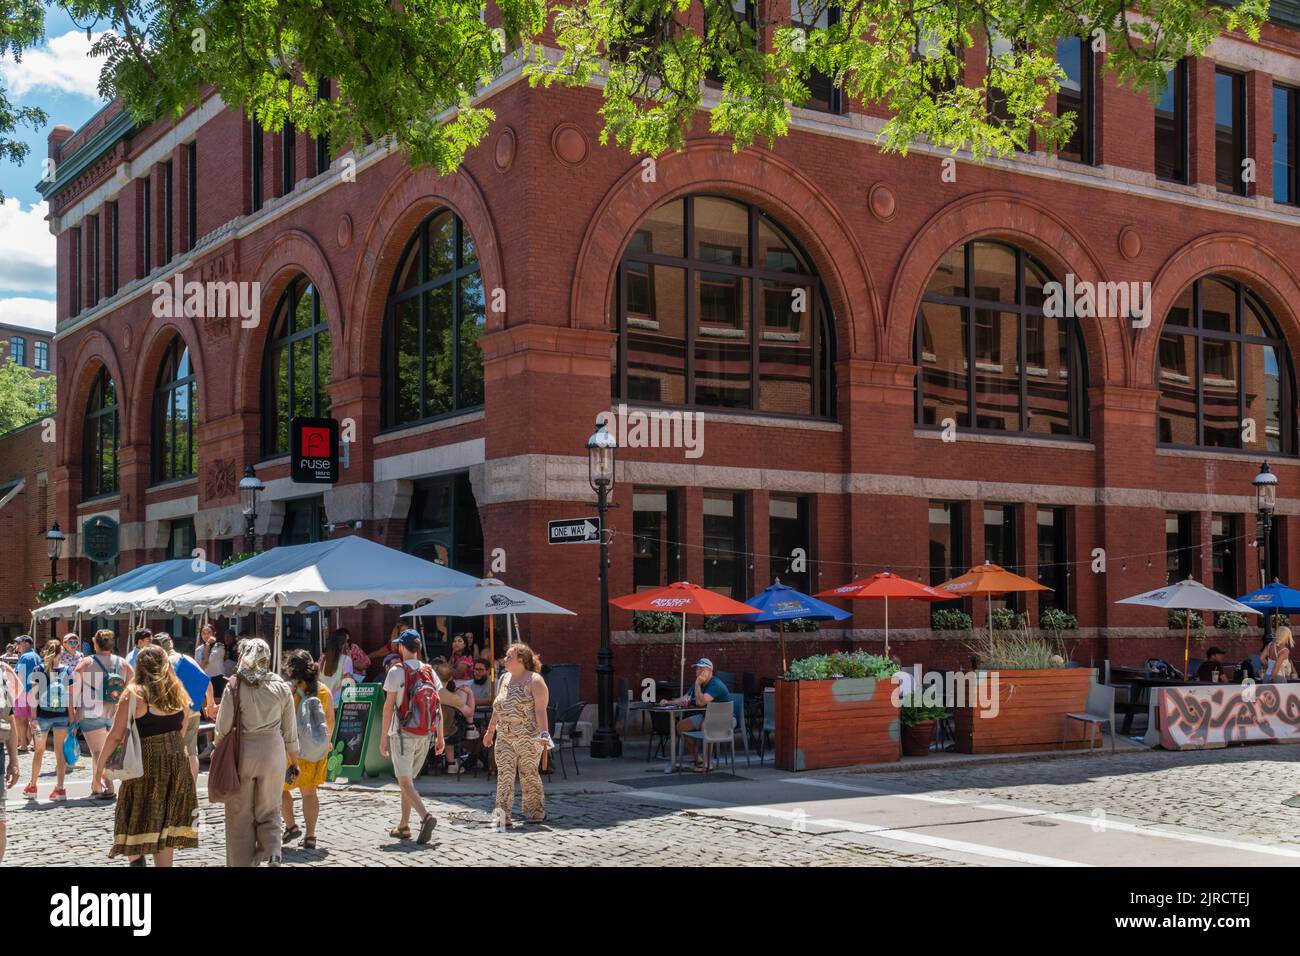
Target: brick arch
point(1230, 254)
point(156, 337)
point(753, 175)
point(1024, 223)
point(93, 352)
point(413, 195)
point(290, 254)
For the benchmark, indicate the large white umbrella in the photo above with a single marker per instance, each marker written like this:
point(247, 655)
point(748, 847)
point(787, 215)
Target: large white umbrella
point(487, 598)
point(1189, 595)
point(125, 593)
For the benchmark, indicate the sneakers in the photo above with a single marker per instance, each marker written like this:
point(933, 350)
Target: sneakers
point(30, 792)
point(58, 794)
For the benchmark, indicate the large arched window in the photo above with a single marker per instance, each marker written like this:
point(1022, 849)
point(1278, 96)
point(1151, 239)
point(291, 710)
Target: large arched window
point(433, 365)
point(99, 439)
point(990, 359)
point(297, 367)
point(1225, 372)
point(693, 278)
point(175, 411)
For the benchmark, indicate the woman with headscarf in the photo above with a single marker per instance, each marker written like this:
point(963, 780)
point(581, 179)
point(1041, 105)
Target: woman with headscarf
point(268, 742)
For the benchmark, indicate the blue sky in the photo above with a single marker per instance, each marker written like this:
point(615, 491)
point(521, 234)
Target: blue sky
point(58, 77)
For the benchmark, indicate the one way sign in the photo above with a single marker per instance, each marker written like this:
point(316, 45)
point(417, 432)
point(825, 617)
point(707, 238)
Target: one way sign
point(573, 531)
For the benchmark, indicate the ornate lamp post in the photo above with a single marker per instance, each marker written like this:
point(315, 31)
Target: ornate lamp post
point(250, 488)
point(601, 448)
point(54, 539)
point(1266, 503)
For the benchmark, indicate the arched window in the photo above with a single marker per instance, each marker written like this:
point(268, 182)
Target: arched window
point(693, 278)
point(990, 359)
point(1225, 372)
point(433, 365)
point(297, 367)
point(175, 411)
point(99, 439)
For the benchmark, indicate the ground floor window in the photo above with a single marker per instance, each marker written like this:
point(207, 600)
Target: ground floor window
point(303, 520)
point(1053, 558)
point(1225, 532)
point(947, 545)
point(443, 524)
point(790, 541)
point(655, 549)
point(1000, 547)
point(724, 543)
point(1178, 546)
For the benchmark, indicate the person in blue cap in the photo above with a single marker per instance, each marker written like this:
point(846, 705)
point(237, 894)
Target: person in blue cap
point(707, 689)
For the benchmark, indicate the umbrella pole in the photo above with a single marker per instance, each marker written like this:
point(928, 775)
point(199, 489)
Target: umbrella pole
point(1187, 642)
point(279, 636)
point(886, 625)
point(492, 644)
point(785, 669)
point(681, 673)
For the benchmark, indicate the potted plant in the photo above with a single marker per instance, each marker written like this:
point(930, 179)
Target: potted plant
point(918, 720)
point(1017, 698)
point(950, 619)
point(834, 710)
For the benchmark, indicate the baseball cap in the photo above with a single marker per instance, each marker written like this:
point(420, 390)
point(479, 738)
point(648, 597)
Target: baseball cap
point(409, 638)
point(25, 639)
point(704, 662)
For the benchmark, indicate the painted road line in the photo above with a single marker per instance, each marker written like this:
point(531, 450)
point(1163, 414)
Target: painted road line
point(1099, 824)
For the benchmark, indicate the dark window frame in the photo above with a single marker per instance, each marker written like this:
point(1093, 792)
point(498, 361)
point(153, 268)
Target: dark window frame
point(18, 350)
point(1240, 131)
point(113, 283)
point(75, 241)
point(1180, 124)
point(92, 224)
point(279, 338)
point(1290, 114)
point(167, 388)
point(147, 215)
point(288, 158)
point(95, 482)
point(169, 211)
point(192, 195)
point(1086, 116)
point(257, 149)
point(41, 355)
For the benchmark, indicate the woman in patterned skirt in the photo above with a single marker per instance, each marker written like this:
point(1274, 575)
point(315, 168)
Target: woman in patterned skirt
point(156, 812)
point(519, 715)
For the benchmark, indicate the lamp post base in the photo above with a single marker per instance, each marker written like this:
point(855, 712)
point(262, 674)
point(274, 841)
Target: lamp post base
point(605, 744)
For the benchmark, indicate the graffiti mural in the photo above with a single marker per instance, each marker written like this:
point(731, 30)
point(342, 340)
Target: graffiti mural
point(1192, 717)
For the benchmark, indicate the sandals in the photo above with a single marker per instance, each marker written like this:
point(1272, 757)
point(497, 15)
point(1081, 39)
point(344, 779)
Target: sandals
point(103, 795)
point(291, 833)
point(309, 843)
point(402, 833)
point(426, 828)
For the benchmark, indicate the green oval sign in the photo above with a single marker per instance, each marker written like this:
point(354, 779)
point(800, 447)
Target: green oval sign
point(99, 540)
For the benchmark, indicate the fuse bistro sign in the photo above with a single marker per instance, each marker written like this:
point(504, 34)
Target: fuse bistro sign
point(314, 445)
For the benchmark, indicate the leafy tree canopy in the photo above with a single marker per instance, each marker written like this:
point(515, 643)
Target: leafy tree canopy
point(24, 396)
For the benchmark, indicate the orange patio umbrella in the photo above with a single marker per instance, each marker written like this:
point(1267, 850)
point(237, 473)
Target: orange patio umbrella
point(883, 586)
point(990, 580)
point(682, 598)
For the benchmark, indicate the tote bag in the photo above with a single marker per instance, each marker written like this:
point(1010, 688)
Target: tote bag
point(223, 771)
point(126, 761)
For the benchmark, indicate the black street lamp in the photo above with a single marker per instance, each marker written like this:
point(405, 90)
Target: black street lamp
point(250, 487)
point(601, 448)
point(1266, 503)
point(54, 539)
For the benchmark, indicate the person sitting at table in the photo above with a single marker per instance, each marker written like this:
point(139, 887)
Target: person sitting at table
point(1213, 670)
point(706, 690)
point(1277, 657)
point(457, 714)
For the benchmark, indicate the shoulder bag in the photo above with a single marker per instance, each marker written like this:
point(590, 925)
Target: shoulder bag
point(223, 771)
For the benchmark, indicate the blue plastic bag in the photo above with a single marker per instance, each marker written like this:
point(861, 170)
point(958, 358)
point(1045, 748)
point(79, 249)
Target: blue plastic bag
point(71, 748)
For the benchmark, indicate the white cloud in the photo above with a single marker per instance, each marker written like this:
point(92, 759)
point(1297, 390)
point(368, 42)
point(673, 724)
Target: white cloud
point(63, 65)
point(29, 313)
point(27, 250)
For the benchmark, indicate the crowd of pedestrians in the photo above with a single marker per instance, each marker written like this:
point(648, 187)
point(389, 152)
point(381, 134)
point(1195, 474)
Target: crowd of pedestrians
point(140, 716)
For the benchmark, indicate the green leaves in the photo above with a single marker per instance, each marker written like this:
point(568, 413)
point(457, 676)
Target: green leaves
point(24, 396)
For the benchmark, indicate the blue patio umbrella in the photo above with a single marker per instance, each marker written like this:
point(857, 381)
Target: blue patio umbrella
point(1275, 597)
point(779, 603)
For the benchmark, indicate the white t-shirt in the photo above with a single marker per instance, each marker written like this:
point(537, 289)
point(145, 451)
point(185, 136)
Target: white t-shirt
point(212, 660)
point(395, 680)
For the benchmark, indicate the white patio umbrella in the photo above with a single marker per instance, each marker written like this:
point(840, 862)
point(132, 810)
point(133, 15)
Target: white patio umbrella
point(487, 598)
point(1189, 595)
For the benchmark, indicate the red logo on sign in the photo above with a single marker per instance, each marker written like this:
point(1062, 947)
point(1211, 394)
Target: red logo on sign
point(316, 442)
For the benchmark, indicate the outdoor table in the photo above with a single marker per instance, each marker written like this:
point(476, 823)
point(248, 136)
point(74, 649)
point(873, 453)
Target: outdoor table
point(675, 713)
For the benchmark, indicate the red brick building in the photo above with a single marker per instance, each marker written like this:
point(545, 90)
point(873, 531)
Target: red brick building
point(470, 327)
point(26, 510)
point(28, 347)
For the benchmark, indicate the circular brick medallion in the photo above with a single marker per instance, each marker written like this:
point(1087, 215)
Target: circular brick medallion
point(1130, 243)
point(344, 233)
point(505, 149)
point(569, 145)
point(882, 201)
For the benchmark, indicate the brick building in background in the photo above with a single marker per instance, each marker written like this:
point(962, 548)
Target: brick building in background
point(28, 347)
point(26, 510)
point(473, 325)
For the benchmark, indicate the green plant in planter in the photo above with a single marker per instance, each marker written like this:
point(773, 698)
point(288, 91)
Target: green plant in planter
point(913, 710)
point(716, 623)
point(53, 591)
point(1004, 619)
point(655, 622)
point(1018, 649)
point(838, 664)
point(1054, 619)
point(1231, 621)
point(1178, 622)
point(950, 619)
point(800, 625)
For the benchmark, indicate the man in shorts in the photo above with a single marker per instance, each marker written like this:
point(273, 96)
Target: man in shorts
point(706, 690)
point(408, 751)
point(24, 713)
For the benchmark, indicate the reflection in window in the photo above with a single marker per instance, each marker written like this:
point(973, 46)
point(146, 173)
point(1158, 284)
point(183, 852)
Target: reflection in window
point(99, 439)
point(1074, 56)
point(716, 306)
point(790, 540)
point(1179, 556)
point(1053, 558)
point(655, 548)
point(1229, 131)
point(810, 15)
point(433, 364)
point(443, 524)
point(724, 543)
point(1171, 127)
point(985, 299)
point(1225, 373)
point(175, 413)
point(298, 366)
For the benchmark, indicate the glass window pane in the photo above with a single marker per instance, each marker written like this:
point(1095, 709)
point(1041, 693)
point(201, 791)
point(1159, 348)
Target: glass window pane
point(1183, 311)
point(995, 273)
point(722, 344)
point(182, 416)
point(166, 448)
point(1178, 390)
point(1071, 55)
point(472, 320)
point(1218, 306)
point(654, 538)
point(724, 544)
point(278, 400)
point(721, 231)
point(438, 383)
point(302, 313)
point(1253, 321)
point(785, 349)
point(1219, 388)
point(997, 376)
point(943, 365)
point(1263, 398)
point(407, 376)
point(192, 429)
point(775, 253)
point(788, 533)
point(468, 251)
point(408, 273)
point(300, 356)
point(324, 373)
point(949, 278)
point(1284, 145)
point(1171, 130)
point(656, 333)
point(1047, 374)
point(1229, 132)
point(442, 244)
point(662, 232)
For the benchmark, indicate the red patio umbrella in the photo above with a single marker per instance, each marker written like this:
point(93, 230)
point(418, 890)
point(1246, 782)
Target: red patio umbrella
point(881, 587)
point(682, 598)
point(991, 581)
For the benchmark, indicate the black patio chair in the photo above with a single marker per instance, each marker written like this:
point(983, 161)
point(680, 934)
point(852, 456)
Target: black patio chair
point(566, 732)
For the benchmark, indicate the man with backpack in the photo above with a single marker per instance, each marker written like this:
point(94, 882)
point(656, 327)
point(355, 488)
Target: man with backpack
point(412, 716)
point(10, 688)
point(99, 681)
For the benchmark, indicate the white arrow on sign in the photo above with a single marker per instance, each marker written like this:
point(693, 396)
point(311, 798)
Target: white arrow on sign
point(592, 532)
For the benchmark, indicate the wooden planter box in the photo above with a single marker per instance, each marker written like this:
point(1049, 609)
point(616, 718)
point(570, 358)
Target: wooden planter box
point(1031, 712)
point(835, 723)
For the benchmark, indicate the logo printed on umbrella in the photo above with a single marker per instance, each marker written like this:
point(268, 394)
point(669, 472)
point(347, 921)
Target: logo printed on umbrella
point(671, 602)
point(503, 601)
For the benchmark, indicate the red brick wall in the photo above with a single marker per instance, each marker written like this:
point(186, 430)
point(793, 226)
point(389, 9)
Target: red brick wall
point(23, 523)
